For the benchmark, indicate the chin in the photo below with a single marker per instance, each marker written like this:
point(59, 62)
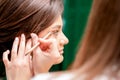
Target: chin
point(59, 60)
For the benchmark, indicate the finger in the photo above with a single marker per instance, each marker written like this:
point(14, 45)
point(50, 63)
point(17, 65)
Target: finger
point(28, 46)
point(14, 49)
point(5, 58)
point(35, 41)
point(31, 66)
point(34, 38)
point(21, 51)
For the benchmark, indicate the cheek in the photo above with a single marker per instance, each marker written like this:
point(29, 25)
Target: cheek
point(57, 39)
point(58, 42)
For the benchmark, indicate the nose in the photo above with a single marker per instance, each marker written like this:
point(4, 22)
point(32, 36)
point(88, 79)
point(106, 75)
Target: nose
point(64, 40)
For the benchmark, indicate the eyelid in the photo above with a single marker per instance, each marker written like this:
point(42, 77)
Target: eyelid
point(55, 31)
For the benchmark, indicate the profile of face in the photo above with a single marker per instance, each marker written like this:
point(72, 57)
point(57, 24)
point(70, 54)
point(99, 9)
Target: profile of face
point(58, 35)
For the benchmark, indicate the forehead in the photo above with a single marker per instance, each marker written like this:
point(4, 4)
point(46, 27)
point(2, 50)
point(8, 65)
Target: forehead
point(57, 23)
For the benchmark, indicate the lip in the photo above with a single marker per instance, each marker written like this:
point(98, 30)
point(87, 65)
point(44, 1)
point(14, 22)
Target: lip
point(61, 51)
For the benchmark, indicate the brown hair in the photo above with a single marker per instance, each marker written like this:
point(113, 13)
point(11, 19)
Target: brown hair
point(25, 16)
point(100, 46)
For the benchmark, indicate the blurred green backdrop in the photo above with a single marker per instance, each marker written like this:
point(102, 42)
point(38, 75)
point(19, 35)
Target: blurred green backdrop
point(75, 17)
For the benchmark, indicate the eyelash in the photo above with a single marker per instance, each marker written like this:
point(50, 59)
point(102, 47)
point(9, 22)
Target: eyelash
point(55, 32)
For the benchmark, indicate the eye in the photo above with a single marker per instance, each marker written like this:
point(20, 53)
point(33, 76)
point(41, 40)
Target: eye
point(55, 32)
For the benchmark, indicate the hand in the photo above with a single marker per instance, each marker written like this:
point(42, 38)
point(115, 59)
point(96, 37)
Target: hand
point(18, 68)
point(45, 55)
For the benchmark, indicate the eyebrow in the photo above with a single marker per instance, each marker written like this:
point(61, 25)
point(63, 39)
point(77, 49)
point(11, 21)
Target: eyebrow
point(56, 26)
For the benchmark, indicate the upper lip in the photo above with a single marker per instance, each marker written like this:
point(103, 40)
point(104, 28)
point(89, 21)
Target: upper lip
point(61, 49)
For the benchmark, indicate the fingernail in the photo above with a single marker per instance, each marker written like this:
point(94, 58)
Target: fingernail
point(22, 35)
point(16, 38)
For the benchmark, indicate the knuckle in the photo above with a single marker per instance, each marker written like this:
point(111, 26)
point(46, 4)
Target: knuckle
point(19, 64)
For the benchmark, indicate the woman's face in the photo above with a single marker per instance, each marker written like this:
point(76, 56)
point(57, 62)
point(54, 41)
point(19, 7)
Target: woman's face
point(57, 34)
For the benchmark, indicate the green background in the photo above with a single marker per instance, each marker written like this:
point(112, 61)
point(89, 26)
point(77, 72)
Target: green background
point(75, 17)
